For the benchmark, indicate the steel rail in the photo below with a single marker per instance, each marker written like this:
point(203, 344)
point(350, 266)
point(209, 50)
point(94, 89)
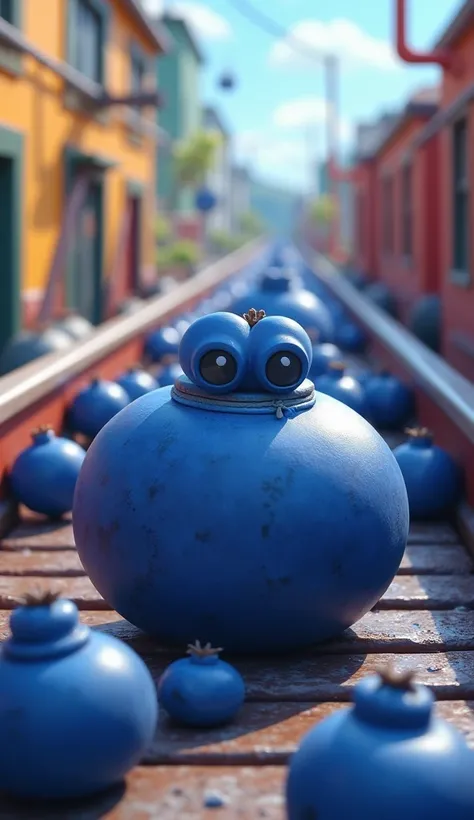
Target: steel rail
point(445, 386)
point(38, 379)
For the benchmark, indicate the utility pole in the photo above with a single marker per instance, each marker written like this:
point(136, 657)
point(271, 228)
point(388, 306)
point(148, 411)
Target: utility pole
point(331, 77)
point(309, 135)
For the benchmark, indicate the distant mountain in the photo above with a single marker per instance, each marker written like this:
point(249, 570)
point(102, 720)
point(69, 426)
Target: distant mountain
point(277, 208)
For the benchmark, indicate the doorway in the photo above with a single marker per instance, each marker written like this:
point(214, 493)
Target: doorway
point(133, 256)
point(84, 274)
point(11, 153)
point(85, 269)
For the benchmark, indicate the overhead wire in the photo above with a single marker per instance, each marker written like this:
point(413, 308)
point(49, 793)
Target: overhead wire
point(270, 26)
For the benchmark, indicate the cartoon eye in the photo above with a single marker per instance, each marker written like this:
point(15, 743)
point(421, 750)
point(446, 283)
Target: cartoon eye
point(280, 354)
point(284, 369)
point(213, 352)
point(218, 367)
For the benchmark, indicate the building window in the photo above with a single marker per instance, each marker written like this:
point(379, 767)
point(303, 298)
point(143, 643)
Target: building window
point(460, 199)
point(138, 71)
point(87, 38)
point(7, 10)
point(10, 57)
point(407, 209)
point(387, 215)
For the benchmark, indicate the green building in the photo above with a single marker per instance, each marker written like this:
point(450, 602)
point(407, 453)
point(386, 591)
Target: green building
point(180, 117)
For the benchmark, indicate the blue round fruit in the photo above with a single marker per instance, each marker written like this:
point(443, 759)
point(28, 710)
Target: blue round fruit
point(78, 708)
point(168, 374)
point(323, 355)
point(336, 383)
point(350, 337)
point(221, 299)
point(337, 311)
point(136, 382)
point(279, 293)
point(432, 478)
point(44, 475)
point(360, 374)
point(358, 279)
point(380, 295)
point(181, 324)
point(426, 320)
point(29, 345)
point(238, 287)
point(241, 464)
point(94, 406)
point(390, 403)
point(201, 690)
point(162, 345)
point(388, 756)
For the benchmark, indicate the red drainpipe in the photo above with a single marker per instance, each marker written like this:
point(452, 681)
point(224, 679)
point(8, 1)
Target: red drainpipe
point(443, 57)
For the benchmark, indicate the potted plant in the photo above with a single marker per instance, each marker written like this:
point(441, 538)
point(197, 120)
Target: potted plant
point(163, 231)
point(221, 242)
point(179, 260)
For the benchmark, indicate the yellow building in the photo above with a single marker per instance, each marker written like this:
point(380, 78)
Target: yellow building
point(78, 141)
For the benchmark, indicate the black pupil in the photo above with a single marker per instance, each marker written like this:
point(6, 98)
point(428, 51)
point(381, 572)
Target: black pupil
point(218, 367)
point(283, 369)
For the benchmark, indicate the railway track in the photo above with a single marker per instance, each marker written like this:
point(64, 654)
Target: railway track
point(40, 392)
point(424, 622)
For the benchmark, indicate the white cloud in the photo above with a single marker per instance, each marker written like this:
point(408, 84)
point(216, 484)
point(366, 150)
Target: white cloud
point(205, 22)
point(341, 37)
point(286, 160)
point(268, 148)
point(290, 147)
point(304, 112)
point(244, 142)
point(153, 7)
point(300, 112)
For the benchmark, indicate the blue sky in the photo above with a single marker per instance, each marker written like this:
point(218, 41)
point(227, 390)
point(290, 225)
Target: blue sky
point(276, 111)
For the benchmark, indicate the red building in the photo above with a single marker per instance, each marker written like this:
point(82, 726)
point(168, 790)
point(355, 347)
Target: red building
point(369, 137)
point(456, 123)
point(406, 180)
point(451, 229)
point(364, 209)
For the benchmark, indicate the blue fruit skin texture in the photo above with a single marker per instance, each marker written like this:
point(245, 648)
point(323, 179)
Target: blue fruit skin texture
point(75, 724)
point(244, 530)
point(44, 476)
point(346, 389)
point(345, 768)
point(350, 337)
point(300, 305)
point(137, 382)
point(390, 403)
point(200, 693)
point(323, 355)
point(169, 374)
point(95, 405)
point(161, 343)
point(432, 479)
